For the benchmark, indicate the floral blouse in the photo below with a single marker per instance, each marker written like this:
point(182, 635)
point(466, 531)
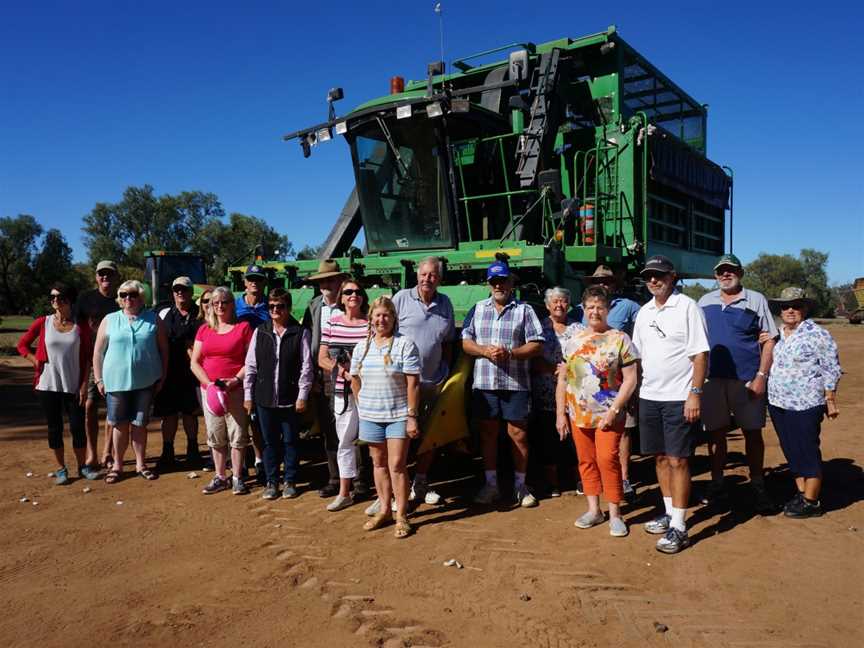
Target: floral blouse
point(543, 385)
point(594, 376)
point(805, 365)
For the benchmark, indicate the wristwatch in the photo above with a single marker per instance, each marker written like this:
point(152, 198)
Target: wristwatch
point(763, 374)
point(696, 390)
point(617, 410)
point(412, 412)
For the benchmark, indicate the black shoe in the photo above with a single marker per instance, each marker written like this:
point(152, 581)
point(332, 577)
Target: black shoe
point(260, 476)
point(799, 507)
point(194, 459)
point(361, 491)
point(330, 490)
point(166, 462)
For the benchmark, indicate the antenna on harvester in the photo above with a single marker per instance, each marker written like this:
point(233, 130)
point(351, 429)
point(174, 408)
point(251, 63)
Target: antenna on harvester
point(439, 10)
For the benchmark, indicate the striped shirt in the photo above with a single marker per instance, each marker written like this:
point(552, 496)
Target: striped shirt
point(337, 332)
point(515, 325)
point(383, 387)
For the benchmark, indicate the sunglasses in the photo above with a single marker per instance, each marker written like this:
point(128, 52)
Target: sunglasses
point(59, 298)
point(180, 289)
point(792, 306)
point(222, 303)
point(654, 325)
point(205, 301)
point(105, 273)
point(655, 276)
point(352, 291)
point(277, 307)
point(128, 295)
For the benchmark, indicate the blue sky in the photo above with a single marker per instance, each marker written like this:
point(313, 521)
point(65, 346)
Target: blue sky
point(97, 96)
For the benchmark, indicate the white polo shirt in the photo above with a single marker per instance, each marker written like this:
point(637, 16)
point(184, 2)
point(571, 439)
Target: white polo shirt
point(666, 338)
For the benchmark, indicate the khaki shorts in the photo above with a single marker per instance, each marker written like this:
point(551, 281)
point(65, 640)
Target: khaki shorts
point(231, 429)
point(724, 398)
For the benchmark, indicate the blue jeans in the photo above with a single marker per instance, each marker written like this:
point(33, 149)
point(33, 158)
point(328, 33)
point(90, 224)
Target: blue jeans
point(279, 431)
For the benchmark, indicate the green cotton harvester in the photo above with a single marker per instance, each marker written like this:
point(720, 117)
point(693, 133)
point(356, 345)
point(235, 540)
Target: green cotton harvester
point(561, 155)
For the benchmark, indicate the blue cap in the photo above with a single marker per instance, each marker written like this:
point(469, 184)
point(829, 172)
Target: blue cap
point(255, 271)
point(497, 269)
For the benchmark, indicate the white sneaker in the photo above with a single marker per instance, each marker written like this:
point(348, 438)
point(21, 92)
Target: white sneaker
point(374, 508)
point(488, 494)
point(340, 503)
point(524, 498)
point(433, 498)
point(420, 491)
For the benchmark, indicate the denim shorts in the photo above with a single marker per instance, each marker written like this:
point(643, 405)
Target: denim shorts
point(373, 432)
point(129, 406)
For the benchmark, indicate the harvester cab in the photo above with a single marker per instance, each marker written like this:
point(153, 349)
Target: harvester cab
point(561, 155)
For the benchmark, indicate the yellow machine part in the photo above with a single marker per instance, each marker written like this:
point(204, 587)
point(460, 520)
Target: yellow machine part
point(447, 422)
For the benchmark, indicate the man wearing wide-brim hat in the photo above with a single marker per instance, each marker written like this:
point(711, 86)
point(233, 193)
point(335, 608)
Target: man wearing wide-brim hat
point(738, 368)
point(329, 278)
point(802, 390)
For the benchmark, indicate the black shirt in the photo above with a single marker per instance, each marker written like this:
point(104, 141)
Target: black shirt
point(181, 330)
point(93, 306)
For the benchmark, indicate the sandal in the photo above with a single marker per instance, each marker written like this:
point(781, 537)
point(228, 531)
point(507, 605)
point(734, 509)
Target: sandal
point(403, 528)
point(378, 521)
point(149, 475)
point(112, 477)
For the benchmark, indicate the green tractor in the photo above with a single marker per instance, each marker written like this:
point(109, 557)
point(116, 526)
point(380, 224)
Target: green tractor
point(561, 155)
point(162, 268)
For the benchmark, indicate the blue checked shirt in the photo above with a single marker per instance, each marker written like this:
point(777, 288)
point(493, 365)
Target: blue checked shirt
point(515, 325)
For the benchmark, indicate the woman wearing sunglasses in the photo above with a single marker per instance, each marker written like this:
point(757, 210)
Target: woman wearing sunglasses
point(338, 338)
point(130, 361)
point(279, 374)
point(218, 359)
point(62, 364)
point(802, 389)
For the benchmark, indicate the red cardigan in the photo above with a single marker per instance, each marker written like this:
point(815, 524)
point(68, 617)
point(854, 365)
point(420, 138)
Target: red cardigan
point(36, 330)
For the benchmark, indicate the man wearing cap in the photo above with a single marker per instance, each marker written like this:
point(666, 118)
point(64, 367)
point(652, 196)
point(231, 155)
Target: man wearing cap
point(93, 305)
point(317, 316)
point(426, 318)
point(251, 307)
point(671, 339)
point(622, 316)
point(503, 335)
point(737, 374)
point(178, 394)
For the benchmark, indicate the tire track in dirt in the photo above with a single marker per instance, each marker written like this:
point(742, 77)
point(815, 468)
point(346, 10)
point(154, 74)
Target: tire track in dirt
point(636, 608)
point(308, 566)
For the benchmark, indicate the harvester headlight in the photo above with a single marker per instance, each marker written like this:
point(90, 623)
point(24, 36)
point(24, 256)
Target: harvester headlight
point(434, 109)
point(403, 112)
point(341, 128)
point(324, 135)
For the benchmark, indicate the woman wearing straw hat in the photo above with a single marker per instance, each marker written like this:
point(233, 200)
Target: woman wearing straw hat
point(802, 390)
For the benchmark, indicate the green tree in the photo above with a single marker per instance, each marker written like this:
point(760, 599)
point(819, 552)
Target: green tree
point(142, 221)
point(696, 290)
point(308, 252)
point(771, 273)
point(52, 263)
point(239, 241)
point(18, 247)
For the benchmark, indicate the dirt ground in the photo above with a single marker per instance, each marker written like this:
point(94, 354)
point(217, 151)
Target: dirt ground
point(168, 566)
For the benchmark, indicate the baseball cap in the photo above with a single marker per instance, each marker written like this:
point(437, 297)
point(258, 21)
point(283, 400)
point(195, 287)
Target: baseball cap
point(658, 263)
point(255, 271)
point(728, 260)
point(216, 400)
point(186, 282)
point(497, 269)
point(106, 265)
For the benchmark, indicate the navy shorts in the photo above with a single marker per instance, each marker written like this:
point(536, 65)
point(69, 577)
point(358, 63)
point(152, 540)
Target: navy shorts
point(513, 406)
point(664, 430)
point(799, 437)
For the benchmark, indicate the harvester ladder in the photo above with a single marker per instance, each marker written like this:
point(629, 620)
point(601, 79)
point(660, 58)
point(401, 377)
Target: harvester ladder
point(544, 79)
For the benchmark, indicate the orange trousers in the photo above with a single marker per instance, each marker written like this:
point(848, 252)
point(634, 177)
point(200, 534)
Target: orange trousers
point(599, 464)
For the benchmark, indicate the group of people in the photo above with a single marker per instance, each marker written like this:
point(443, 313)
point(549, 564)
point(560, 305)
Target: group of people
point(575, 383)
